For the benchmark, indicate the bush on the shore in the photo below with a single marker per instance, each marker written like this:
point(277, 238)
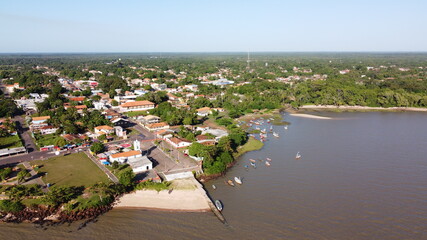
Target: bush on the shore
point(11, 206)
point(153, 185)
point(59, 195)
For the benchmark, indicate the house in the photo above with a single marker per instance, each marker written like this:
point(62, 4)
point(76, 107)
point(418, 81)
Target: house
point(140, 164)
point(77, 99)
point(137, 106)
point(150, 119)
point(178, 142)
point(110, 114)
point(48, 130)
point(118, 121)
point(125, 156)
point(203, 112)
point(164, 133)
point(157, 126)
point(104, 129)
point(80, 108)
point(11, 88)
point(39, 122)
point(205, 140)
point(120, 132)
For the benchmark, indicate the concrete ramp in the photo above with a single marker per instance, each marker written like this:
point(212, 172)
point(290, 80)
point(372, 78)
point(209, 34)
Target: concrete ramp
point(179, 175)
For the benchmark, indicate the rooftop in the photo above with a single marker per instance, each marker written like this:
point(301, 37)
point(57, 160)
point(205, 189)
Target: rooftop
point(136, 103)
point(126, 154)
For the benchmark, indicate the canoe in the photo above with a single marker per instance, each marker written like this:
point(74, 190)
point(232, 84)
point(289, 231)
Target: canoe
point(218, 205)
point(231, 183)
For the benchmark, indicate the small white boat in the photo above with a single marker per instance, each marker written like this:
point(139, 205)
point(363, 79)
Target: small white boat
point(238, 180)
point(267, 163)
point(213, 186)
point(268, 159)
point(275, 134)
point(253, 164)
point(298, 156)
point(218, 205)
point(286, 127)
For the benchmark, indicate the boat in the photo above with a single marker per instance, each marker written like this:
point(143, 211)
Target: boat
point(268, 159)
point(253, 164)
point(275, 134)
point(246, 167)
point(238, 180)
point(271, 129)
point(286, 127)
point(231, 183)
point(267, 163)
point(213, 186)
point(218, 205)
point(264, 131)
point(298, 156)
point(252, 160)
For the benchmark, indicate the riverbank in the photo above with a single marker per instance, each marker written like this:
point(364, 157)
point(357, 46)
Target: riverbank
point(362, 108)
point(184, 195)
point(309, 116)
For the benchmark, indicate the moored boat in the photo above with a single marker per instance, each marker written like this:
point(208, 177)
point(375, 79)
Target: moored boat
point(275, 134)
point(231, 183)
point(213, 186)
point(268, 159)
point(218, 205)
point(298, 156)
point(253, 164)
point(267, 163)
point(252, 160)
point(238, 180)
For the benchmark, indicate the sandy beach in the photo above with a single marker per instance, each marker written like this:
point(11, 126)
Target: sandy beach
point(308, 116)
point(414, 109)
point(186, 197)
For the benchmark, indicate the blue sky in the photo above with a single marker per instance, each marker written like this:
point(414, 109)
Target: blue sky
point(212, 26)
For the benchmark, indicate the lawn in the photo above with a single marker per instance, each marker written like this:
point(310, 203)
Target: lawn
point(252, 145)
point(46, 140)
point(72, 170)
point(136, 113)
point(12, 141)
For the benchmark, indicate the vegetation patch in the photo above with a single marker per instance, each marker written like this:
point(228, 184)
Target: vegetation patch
point(251, 145)
point(12, 141)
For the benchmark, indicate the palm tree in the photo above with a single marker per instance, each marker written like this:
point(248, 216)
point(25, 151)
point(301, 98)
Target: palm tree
point(22, 175)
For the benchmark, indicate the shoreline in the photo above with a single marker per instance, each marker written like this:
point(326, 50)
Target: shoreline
point(303, 115)
point(363, 108)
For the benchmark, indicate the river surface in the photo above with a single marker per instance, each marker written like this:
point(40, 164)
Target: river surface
point(361, 176)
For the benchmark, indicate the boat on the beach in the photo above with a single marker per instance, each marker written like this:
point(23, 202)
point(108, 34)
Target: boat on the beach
point(213, 186)
point(275, 134)
point(218, 205)
point(238, 180)
point(267, 163)
point(253, 164)
point(298, 156)
point(268, 159)
point(231, 183)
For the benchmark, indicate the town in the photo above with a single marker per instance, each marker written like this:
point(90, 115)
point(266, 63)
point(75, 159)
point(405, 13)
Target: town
point(144, 121)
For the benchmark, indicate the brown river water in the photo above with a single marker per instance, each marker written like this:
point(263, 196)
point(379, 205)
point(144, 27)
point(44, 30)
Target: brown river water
point(361, 176)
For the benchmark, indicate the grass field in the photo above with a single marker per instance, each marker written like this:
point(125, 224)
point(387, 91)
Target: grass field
point(72, 170)
point(46, 140)
point(10, 142)
point(252, 145)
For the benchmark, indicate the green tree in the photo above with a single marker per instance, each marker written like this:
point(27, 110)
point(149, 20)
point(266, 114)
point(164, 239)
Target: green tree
point(114, 103)
point(97, 147)
point(126, 177)
point(22, 175)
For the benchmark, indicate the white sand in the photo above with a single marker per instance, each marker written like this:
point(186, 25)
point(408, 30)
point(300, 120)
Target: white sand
point(364, 108)
point(188, 198)
point(308, 116)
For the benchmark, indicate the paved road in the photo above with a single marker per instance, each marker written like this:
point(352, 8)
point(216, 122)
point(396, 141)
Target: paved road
point(110, 175)
point(24, 132)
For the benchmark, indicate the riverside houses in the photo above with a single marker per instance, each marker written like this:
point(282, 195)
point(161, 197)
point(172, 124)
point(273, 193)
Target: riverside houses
point(136, 106)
